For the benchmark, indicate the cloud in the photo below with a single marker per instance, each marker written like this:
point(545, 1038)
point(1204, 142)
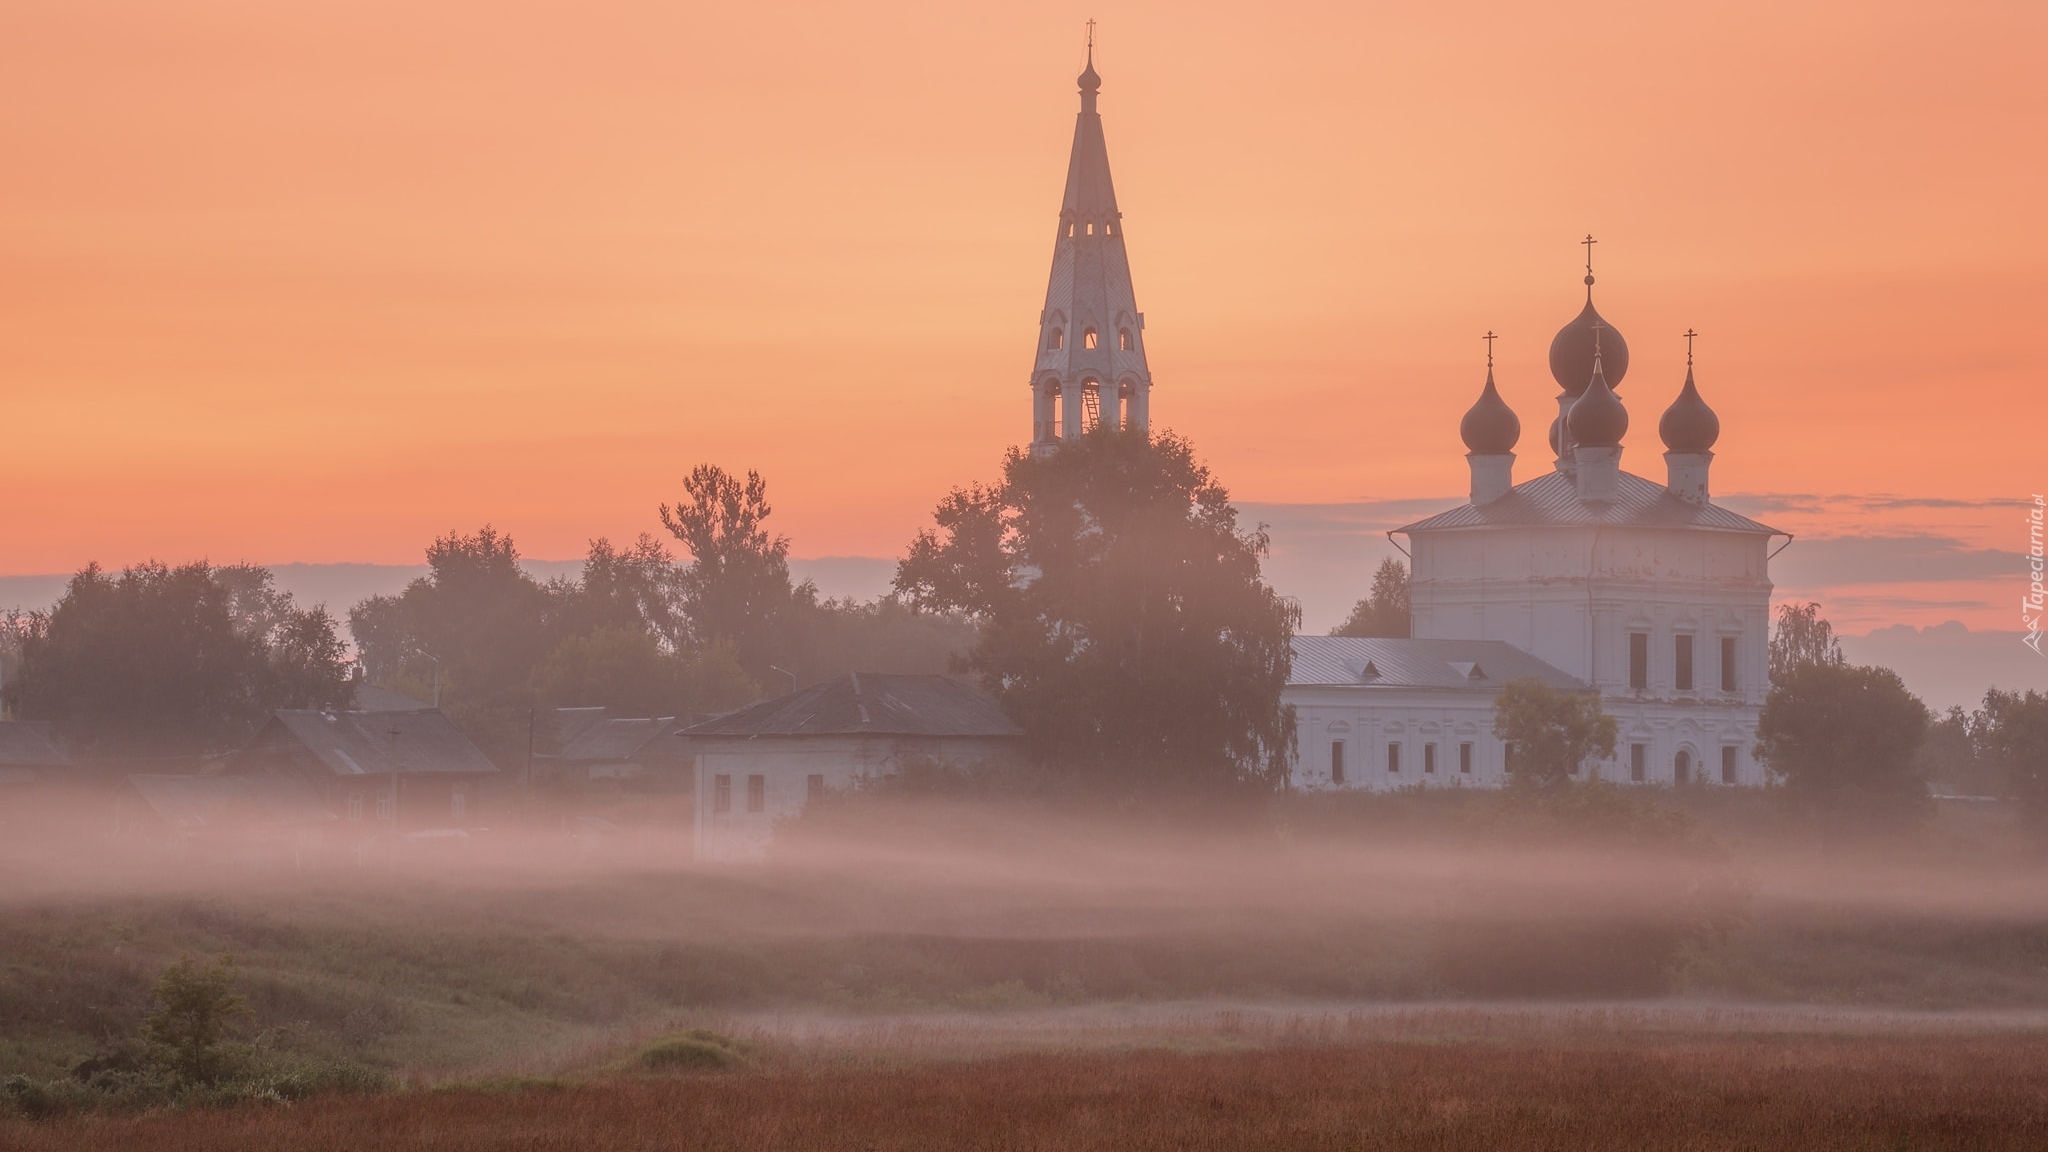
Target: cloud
point(1902, 559)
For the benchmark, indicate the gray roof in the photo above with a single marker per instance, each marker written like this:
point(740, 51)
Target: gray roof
point(360, 743)
point(1552, 499)
point(370, 698)
point(870, 704)
point(589, 734)
point(1466, 665)
point(26, 745)
point(193, 803)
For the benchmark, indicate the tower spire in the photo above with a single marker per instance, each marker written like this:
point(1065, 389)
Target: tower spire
point(1090, 365)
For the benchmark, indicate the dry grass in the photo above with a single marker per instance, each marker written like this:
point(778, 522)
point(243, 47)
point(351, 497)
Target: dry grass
point(1583, 1092)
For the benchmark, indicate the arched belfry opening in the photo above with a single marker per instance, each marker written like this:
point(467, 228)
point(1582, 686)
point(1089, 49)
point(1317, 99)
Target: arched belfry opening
point(1079, 355)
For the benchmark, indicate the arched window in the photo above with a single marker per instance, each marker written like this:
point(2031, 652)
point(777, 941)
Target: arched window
point(1055, 339)
point(1124, 343)
point(1091, 229)
point(1681, 767)
point(1070, 227)
point(1091, 405)
point(1088, 338)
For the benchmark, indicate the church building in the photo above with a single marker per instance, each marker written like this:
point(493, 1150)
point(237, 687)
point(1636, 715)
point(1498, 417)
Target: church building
point(1587, 575)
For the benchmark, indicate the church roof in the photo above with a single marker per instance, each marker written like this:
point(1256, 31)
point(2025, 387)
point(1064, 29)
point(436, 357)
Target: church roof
point(1469, 665)
point(1552, 500)
point(869, 704)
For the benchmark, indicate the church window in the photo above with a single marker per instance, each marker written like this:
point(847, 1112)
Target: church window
point(1465, 758)
point(1088, 338)
point(1727, 663)
point(1336, 761)
point(1638, 762)
point(1055, 339)
point(1639, 660)
point(1728, 755)
point(1070, 228)
point(1429, 759)
point(757, 793)
point(1090, 231)
point(721, 793)
point(1681, 671)
point(1393, 757)
point(1681, 767)
point(1124, 343)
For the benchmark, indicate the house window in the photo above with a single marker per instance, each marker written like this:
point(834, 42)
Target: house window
point(814, 788)
point(1638, 762)
point(1681, 672)
point(1393, 757)
point(458, 802)
point(721, 793)
point(1728, 764)
point(355, 805)
point(1124, 343)
point(1639, 660)
point(1088, 338)
point(1681, 768)
point(1055, 339)
point(1727, 663)
point(1336, 761)
point(1465, 759)
point(757, 793)
point(1429, 759)
point(384, 805)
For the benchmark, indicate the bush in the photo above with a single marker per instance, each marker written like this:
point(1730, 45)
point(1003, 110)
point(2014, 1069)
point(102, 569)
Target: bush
point(698, 1050)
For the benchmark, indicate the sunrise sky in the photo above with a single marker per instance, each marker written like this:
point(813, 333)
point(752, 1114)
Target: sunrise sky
point(316, 281)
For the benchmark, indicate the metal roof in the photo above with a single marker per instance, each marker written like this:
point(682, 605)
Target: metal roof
point(25, 745)
point(869, 704)
point(1552, 499)
point(192, 803)
point(1376, 662)
point(360, 743)
point(604, 738)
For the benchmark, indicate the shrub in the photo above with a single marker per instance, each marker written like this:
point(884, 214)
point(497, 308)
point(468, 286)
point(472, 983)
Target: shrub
point(698, 1050)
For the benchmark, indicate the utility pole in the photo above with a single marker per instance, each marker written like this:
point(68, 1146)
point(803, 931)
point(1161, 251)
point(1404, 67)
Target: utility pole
point(394, 787)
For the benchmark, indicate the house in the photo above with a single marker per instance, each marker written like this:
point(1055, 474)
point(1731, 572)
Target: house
point(1385, 714)
point(27, 754)
point(1648, 593)
point(767, 761)
point(378, 772)
point(253, 818)
point(595, 745)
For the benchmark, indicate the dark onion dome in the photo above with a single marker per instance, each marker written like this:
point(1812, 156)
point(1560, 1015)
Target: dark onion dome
point(1571, 351)
point(1557, 436)
point(1490, 427)
point(1598, 419)
point(1689, 425)
point(1088, 80)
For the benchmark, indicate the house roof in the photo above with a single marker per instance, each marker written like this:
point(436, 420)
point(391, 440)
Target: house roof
point(1374, 662)
point(589, 734)
point(26, 745)
point(370, 698)
point(194, 803)
point(360, 743)
point(1552, 499)
point(870, 704)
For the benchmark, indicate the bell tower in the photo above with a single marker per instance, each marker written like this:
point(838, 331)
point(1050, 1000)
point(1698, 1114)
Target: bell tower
point(1089, 369)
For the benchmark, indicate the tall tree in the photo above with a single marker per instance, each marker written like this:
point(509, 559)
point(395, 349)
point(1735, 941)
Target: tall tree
point(1846, 739)
point(173, 660)
point(2011, 731)
point(1803, 637)
point(1384, 610)
point(736, 588)
point(1553, 733)
point(1123, 619)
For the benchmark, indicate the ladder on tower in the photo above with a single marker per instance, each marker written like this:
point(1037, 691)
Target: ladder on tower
point(1091, 407)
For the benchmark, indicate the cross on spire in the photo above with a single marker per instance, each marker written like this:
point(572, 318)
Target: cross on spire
point(1091, 39)
point(1589, 242)
point(1597, 326)
point(1489, 338)
point(1689, 334)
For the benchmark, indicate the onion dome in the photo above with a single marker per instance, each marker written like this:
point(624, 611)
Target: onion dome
point(1598, 419)
point(1572, 349)
point(1557, 436)
point(1689, 425)
point(1490, 427)
point(1088, 80)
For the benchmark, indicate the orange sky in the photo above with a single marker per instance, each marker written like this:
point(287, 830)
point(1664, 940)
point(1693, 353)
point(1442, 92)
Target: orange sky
point(315, 281)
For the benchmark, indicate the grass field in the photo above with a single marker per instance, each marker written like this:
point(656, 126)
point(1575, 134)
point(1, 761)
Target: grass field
point(1582, 1081)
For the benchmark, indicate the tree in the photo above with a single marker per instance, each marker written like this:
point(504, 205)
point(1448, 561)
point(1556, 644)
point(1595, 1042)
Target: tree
point(1845, 738)
point(196, 1005)
point(173, 660)
point(736, 588)
point(627, 672)
point(2011, 731)
point(1385, 610)
point(1803, 637)
point(1122, 617)
point(1552, 733)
